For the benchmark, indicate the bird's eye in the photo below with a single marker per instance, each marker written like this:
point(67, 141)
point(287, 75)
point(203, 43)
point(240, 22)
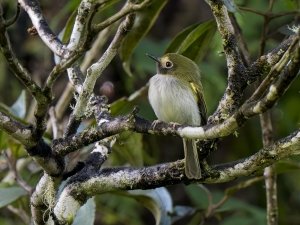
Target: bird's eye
point(169, 64)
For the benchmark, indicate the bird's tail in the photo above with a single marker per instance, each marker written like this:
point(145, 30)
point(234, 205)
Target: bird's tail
point(192, 165)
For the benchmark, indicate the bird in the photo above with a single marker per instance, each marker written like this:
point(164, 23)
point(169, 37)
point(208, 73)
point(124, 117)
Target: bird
point(176, 95)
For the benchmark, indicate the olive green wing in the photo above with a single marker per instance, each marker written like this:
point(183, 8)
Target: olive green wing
point(198, 92)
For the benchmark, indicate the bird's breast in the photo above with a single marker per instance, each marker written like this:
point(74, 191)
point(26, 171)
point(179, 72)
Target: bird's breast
point(172, 100)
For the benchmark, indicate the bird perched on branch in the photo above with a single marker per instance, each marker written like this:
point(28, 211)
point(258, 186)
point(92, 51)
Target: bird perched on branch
point(176, 95)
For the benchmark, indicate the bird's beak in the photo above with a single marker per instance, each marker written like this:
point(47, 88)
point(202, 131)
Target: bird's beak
point(153, 57)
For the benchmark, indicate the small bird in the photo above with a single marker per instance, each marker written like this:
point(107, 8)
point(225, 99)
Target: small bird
point(176, 95)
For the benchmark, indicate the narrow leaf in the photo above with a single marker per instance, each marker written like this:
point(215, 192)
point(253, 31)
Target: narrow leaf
point(9, 195)
point(143, 23)
point(66, 33)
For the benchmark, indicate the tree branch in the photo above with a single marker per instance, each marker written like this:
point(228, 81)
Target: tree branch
point(95, 71)
point(32, 7)
point(89, 183)
point(235, 65)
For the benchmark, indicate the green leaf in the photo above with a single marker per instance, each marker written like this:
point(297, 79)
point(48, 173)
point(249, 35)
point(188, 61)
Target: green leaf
point(193, 42)
point(86, 213)
point(128, 149)
point(158, 201)
point(19, 107)
point(177, 41)
point(143, 22)
point(66, 32)
point(9, 195)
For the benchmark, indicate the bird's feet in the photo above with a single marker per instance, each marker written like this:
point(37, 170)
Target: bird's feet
point(155, 123)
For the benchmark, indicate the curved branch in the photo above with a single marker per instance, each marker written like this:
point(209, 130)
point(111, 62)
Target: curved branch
point(228, 126)
point(32, 7)
point(236, 68)
point(95, 71)
point(92, 182)
point(259, 68)
point(239, 76)
point(84, 14)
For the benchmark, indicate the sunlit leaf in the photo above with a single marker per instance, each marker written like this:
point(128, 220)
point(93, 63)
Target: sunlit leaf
point(143, 22)
point(86, 213)
point(158, 201)
point(193, 42)
point(10, 194)
point(19, 107)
